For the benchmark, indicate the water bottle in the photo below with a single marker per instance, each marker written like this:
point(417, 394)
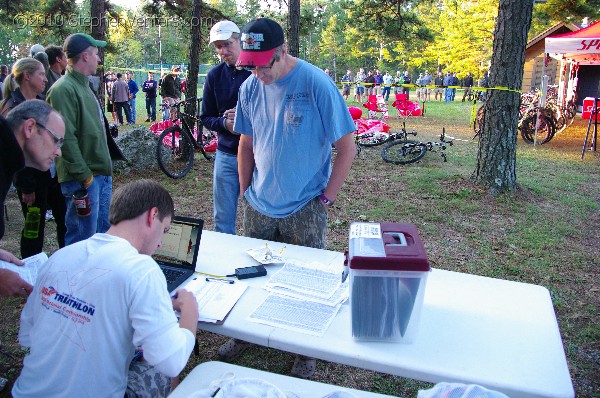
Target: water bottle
point(32, 223)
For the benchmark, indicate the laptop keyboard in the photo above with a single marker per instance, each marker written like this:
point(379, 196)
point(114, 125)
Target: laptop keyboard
point(172, 274)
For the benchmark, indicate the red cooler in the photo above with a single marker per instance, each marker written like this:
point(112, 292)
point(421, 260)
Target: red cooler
point(588, 105)
point(388, 270)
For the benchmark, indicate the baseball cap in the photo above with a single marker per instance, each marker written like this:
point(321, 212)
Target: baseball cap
point(78, 42)
point(222, 30)
point(36, 48)
point(259, 38)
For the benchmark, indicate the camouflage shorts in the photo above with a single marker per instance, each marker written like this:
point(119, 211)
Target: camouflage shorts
point(306, 227)
point(143, 381)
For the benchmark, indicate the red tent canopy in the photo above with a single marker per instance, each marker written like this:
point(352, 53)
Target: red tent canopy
point(581, 46)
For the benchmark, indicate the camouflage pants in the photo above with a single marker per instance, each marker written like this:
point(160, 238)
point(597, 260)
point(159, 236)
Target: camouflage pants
point(306, 227)
point(143, 381)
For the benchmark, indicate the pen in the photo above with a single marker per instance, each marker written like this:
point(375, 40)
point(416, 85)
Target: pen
point(220, 280)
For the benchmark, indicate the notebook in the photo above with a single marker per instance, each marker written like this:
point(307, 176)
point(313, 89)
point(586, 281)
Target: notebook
point(178, 253)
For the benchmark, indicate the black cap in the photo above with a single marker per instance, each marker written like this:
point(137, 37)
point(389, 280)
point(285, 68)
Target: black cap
point(259, 39)
point(78, 42)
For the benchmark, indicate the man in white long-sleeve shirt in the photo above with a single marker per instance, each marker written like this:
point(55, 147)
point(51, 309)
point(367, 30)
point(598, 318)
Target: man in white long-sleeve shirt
point(97, 301)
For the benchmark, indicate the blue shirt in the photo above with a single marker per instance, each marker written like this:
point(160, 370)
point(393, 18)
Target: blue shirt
point(149, 87)
point(293, 122)
point(133, 88)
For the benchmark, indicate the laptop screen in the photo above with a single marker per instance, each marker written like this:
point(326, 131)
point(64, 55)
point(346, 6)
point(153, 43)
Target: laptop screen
point(180, 245)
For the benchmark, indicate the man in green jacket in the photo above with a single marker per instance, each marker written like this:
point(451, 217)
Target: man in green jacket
point(86, 161)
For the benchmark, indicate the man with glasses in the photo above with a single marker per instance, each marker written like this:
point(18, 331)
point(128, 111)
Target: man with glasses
point(289, 114)
point(31, 135)
point(86, 161)
point(218, 112)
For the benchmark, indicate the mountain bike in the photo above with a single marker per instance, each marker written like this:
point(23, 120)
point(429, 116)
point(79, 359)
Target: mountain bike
point(178, 143)
point(408, 151)
point(370, 139)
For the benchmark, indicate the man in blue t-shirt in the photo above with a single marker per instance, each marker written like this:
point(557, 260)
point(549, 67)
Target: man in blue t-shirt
point(218, 112)
point(149, 87)
point(289, 113)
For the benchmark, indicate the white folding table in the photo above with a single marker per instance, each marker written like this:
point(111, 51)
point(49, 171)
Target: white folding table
point(200, 378)
point(500, 334)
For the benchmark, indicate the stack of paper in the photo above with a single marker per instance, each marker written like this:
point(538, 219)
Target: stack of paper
point(215, 298)
point(30, 270)
point(304, 298)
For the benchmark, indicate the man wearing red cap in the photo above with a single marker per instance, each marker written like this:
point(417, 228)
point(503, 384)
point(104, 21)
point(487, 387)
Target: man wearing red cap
point(289, 114)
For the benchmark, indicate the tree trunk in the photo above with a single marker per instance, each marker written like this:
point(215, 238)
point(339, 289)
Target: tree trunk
point(97, 13)
point(293, 42)
point(496, 157)
point(191, 85)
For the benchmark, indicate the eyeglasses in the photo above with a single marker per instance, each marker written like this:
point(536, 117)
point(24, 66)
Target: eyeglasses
point(252, 68)
point(225, 44)
point(58, 140)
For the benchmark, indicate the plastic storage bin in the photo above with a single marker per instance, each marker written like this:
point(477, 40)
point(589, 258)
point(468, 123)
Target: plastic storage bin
point(388, 270)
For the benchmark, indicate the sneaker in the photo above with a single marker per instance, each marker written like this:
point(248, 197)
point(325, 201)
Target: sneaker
point(304, 367)
point(232, 349)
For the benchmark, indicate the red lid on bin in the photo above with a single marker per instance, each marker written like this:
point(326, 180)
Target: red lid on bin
point(403, 248)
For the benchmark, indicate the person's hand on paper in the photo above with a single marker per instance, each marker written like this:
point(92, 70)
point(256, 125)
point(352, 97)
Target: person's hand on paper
point(10, 258)
point(11, 284)
point(185, 303)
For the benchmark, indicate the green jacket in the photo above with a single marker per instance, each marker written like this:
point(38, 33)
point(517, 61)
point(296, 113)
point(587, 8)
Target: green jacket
point(85, 151)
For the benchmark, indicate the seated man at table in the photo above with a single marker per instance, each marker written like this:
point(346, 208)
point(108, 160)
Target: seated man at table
point(97, 300)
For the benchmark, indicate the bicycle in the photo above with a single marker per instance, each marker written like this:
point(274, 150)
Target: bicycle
point(408, 151)
point(178, 143)
point(371, 139)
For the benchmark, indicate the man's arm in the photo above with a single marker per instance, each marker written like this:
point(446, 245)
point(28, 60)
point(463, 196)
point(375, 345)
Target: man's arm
point(346, 150)
point(246, 162)
point(186, 304)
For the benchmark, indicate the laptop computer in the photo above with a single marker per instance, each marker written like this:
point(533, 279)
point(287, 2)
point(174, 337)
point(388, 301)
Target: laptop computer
point(178, 253)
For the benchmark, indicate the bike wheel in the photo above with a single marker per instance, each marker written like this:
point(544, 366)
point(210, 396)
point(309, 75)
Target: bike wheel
point(207, 143)
point(403, 152)
point(175, 152)
point(543, 134)
point(373, 139)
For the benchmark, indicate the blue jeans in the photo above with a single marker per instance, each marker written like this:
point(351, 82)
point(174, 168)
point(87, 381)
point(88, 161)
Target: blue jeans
point(151, 108)
point(100, 193)
point(226, 191)
point(132, 106)
point(386, 92)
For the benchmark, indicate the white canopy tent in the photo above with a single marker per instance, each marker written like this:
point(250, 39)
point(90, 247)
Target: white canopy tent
point(581, 47)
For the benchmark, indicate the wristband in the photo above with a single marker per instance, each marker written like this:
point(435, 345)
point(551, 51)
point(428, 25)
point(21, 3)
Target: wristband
point(88, 181)
point(325, 200)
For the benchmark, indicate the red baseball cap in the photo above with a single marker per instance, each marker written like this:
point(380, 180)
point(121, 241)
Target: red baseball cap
point(259, 39)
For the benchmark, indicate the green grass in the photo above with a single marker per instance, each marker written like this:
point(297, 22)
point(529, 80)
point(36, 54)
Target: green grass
point(545, 233)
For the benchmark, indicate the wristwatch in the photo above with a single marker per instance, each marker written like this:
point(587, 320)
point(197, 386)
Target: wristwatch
point(325, 200)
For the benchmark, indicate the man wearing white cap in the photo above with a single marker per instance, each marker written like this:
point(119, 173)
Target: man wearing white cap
point(289, 114)
point(218, 112)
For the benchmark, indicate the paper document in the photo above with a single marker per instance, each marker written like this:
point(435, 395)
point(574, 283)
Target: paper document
point(293, 314)
point(30, 270)
point(215, 298)
point(304, 298)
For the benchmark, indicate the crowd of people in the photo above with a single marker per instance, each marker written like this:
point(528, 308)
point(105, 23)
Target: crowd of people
point(375, 83)
point(99, 320)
